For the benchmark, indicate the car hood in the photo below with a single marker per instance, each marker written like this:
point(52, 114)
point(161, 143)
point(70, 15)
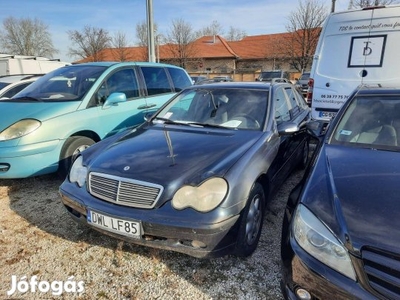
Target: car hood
point(12, 111)
point(171, 155)
point(355, 192)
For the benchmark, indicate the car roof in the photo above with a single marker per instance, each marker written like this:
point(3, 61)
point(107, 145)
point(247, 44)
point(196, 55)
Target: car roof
point(378, 90)
point(239, 84)
point(16, 78)
point(122, 64)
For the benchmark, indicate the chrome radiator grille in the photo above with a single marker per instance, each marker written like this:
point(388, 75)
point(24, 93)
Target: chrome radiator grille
point(383, 272)
point(124, 191)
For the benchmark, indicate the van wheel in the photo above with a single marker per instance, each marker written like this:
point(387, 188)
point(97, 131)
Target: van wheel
point(251, 222)
point(72, 147)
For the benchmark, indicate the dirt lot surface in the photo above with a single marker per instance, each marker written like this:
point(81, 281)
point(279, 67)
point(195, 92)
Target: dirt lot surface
point(40, 242)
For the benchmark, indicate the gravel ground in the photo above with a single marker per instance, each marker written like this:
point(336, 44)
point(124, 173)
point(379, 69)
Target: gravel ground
point(38, 238)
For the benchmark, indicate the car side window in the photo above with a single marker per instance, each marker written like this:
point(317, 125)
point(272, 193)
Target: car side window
point(294, 108)
point(156, 80)
point(179, 78)
point(282, 113)
point(122, 81)
point(10, 93)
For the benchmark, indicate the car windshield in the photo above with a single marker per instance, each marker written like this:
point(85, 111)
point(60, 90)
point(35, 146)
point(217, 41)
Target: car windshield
point(305, 76)
point(228, 108)
point(269, 75)
point(370, 121)
point(68, 83)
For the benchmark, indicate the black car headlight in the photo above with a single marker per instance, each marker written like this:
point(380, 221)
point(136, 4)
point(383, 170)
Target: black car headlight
point(203, 198)
point(78, 172)
point(316, 239)
point(19, 129)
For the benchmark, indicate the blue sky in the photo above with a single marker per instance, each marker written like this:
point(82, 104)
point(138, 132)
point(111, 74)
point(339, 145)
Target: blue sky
point(254, 17)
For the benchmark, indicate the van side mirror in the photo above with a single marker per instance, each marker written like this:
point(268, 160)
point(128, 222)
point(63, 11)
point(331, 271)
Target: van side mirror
point(114, 99)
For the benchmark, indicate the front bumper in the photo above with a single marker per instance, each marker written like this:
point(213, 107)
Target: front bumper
point(161, 230)
point(29, 160)
point(302, 271)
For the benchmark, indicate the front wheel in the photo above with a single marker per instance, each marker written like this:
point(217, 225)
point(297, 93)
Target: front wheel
point(251, 222)
point(72, 147)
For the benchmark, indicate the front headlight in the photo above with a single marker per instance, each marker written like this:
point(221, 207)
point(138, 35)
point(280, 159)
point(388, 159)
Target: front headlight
point(78, 172)
point(19, 129)
point(203, 198)
point(315, 238)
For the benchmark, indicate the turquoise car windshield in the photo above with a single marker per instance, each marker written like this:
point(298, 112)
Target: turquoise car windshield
point(68, 83)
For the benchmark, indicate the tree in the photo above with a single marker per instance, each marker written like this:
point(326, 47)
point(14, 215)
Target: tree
point(119, 46)
point(235, 34)
point(180, 42)
point(304, 28)
point(213, 29)
point(89, 43)
point(366, 3)
point(26, 37)
point(142, 37)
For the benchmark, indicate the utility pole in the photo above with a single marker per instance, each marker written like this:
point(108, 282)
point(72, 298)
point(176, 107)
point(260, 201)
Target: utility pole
point(333, 6)
point(150, 31)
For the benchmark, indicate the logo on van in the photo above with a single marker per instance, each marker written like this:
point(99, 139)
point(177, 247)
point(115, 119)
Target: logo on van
point(367, 51)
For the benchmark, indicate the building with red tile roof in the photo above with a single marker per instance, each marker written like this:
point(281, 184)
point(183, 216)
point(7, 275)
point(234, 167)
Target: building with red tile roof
point(213, 55)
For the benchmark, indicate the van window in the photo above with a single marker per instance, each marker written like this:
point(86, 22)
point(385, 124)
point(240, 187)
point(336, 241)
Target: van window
point(156, 80)
point(122, 81)
point(179, 78)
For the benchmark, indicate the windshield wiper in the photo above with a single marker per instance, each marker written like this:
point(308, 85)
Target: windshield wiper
point(168, 121)
point(206, 125)
point(27, 98)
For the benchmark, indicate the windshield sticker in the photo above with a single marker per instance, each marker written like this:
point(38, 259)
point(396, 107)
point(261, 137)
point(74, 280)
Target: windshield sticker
point(345, 132)
point(367, 51)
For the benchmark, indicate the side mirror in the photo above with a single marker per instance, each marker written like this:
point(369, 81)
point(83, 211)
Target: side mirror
point(114, 99)
point(287, 128)
point(317, 128)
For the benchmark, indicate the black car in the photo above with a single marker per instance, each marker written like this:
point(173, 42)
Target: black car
point(194, 178)
point(341, 229)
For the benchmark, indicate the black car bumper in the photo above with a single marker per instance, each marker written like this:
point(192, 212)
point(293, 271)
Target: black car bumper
point(201, 241)
point(302, 272)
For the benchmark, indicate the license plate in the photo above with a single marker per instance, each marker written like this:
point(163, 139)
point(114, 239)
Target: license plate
point(112, 224)
point(327, 114)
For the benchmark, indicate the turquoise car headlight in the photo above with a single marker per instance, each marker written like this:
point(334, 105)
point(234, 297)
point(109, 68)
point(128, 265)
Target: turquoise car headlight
point(78, 172)
point(19, 129)
point(315, 238)
point(203, 198)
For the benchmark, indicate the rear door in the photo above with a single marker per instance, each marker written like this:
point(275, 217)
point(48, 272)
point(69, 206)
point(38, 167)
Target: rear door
point(356, 47)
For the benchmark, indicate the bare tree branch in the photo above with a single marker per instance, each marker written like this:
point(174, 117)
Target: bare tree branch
point(26, 37)
point(235, 34)
point(89, 43)
point(304, 29)
point(180, 41)
point(119, 46)
point(367, 3)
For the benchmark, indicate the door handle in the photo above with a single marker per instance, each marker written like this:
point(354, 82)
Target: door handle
point(145, 106)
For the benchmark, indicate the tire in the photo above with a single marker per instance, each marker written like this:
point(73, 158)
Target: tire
point(304, 155)
point(72, 147)
point(251, 222)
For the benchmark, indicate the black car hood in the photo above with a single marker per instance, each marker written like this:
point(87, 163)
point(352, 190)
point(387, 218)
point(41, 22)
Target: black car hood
point(170, 154)
point(356, 193)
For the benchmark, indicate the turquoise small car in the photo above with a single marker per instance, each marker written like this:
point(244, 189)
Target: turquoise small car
point(67, 110)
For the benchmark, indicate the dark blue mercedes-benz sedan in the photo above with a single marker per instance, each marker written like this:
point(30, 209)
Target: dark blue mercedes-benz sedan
point(196, 176)
point(341, 230)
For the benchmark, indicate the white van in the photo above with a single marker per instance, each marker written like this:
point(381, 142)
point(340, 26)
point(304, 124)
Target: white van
point(355, 47)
